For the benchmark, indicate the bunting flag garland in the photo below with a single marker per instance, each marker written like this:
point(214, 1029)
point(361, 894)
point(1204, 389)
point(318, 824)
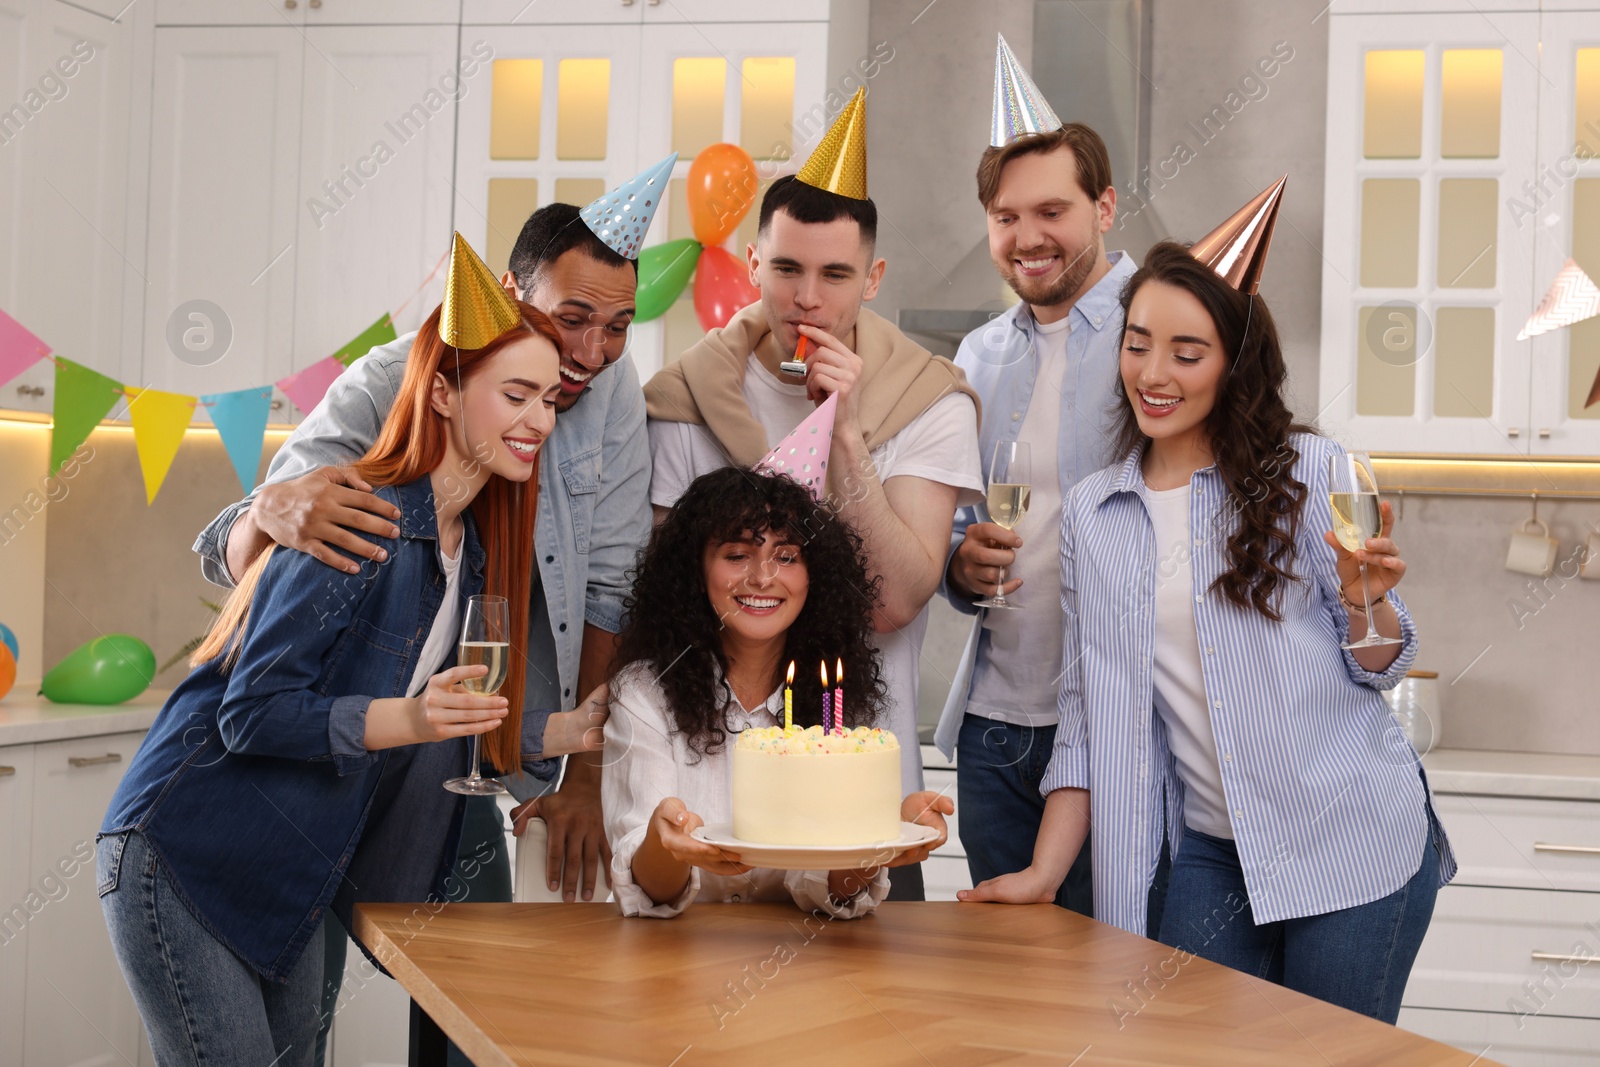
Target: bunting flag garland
point(19, 348)
point(241, 422)
point(306, 388)
point(379, 333)
point(83, 398)
point(160, 420)
point(1572, 297)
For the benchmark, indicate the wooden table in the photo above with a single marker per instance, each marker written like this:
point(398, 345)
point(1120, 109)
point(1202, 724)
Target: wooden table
point(917, 983)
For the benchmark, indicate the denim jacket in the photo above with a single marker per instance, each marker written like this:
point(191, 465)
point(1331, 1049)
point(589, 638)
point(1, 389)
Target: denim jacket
point(1001, 362)
point(594, 507)
point(253, 787)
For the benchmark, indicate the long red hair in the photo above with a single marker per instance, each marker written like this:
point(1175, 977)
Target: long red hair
point(412, 444)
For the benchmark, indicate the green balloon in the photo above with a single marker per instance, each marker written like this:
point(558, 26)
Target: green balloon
point(664, 270)
point(105, 670)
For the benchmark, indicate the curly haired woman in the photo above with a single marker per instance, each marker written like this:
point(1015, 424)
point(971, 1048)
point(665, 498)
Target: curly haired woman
point(744, 574)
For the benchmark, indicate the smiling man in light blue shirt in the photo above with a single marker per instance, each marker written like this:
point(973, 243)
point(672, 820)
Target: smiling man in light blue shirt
point(1046, 371)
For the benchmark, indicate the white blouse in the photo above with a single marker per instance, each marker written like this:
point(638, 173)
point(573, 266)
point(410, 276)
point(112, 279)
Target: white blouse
point(648, 760)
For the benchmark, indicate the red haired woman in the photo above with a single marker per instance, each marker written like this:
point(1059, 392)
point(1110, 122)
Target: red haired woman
point(299, 767)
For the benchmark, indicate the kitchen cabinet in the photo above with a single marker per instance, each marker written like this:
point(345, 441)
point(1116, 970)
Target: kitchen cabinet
point(1502, 970)
point(304, 12)
point(68, 73)
point(300, 186)
point(16, 797)
point(1440, 129)
point(945, 872)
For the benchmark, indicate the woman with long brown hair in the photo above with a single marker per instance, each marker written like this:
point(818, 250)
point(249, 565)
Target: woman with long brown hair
point(299, 768)
point(1211, 706)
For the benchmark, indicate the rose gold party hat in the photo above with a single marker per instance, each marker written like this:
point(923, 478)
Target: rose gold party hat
point(1572, 298)
point(1237, 250)
point(803, 455)
point(839, 164)
point(476, 308)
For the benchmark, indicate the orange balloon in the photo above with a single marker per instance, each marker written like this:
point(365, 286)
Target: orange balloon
point(721, 186)
point(8, 670)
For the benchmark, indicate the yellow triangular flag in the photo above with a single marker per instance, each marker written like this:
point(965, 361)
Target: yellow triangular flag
point(159, 422)
point(839, 164)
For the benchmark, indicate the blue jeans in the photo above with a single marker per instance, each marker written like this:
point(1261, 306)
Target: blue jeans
point(202, 1005)
point(1358, 958)
point(483, 868)
point(998, 806)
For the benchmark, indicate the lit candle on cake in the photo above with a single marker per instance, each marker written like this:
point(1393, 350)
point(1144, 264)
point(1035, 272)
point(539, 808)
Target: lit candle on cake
point(838, 695)
point(788, 697)
point(827, 703)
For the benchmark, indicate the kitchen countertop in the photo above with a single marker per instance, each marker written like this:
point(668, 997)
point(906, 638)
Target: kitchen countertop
point(27, 718)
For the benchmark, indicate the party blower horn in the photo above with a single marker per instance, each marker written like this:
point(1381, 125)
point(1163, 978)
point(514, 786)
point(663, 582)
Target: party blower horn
point(1019, 107)
point(476, 308)
point(1237, 250)
point(803, 455)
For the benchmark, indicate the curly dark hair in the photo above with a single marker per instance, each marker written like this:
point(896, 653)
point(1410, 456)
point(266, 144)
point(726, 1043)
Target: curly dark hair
point(1248, 428)
point(673, 631)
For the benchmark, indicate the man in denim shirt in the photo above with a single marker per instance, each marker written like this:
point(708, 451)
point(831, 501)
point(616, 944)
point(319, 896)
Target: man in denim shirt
point(594, 513)
point(1046, 370)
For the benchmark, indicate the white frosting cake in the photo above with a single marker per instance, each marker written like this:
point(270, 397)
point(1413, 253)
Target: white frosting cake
point(804, 787)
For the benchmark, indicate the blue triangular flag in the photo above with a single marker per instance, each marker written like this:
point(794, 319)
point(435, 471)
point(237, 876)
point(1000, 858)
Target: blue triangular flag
point(241, 420)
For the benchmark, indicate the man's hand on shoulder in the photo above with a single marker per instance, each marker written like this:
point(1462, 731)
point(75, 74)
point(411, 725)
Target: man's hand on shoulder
point(320, 511)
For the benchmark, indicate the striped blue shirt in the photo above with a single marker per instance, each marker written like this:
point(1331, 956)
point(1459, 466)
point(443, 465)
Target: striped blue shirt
point(1327, 800)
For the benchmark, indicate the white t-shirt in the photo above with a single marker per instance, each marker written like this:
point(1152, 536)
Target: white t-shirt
point(940, 445)
point(446, 631)
point(1022, 672)
point(1180, 686)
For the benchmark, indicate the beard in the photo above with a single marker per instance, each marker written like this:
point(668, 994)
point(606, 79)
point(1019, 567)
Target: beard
point(1042, 292)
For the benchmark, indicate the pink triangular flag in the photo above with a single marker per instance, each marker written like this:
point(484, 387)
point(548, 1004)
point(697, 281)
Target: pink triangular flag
point(306, 388)
point(803, 455)
point(1572, 297)
point(19, 348)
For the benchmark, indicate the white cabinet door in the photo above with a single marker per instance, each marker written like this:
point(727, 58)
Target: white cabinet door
point(231, 12)
point(1563, 212)
point(79, 1009)
point(1537, 1041)
point(377, 129)
point(1426, 274)
point(546, 13)
point(16, 805)
point(225, 144)
point(380, 12)
point(528, 133)
point(64, 116)
point(701, 11)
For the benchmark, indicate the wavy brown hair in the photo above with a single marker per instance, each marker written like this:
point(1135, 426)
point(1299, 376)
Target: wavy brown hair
point(410, 445)
point(674, 633)
point(1247, 429)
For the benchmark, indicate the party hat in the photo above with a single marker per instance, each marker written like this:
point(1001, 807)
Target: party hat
point(1019, 107)
point(1237, 250)
point(839, 164)
point(1572, 298)
point(476, 308)
point(622, 217)
point(803, 455)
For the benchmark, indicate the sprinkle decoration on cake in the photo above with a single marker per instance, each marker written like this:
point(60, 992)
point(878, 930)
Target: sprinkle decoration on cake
point(813, 741)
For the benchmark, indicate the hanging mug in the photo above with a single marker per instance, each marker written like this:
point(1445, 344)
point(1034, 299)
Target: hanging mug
point(1591, 558)
point(1533, 550)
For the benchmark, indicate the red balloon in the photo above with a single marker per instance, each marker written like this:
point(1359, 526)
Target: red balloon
point(721, 187)
point(721, 287)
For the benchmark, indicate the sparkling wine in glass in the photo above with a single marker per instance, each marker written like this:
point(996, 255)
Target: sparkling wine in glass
point(485, 640)
point(1353, 494)
point(1010, 488)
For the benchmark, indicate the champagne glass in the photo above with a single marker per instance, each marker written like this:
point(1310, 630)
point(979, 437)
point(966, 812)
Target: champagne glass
point(1010, 488)
point(1353, 493)
point(486, 641)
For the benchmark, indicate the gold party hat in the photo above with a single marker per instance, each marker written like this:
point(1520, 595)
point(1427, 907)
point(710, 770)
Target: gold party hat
point(476, 308)
point(839, 164)
point(1237, 250)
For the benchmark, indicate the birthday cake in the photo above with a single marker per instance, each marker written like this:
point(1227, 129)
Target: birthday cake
point(806, 787)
